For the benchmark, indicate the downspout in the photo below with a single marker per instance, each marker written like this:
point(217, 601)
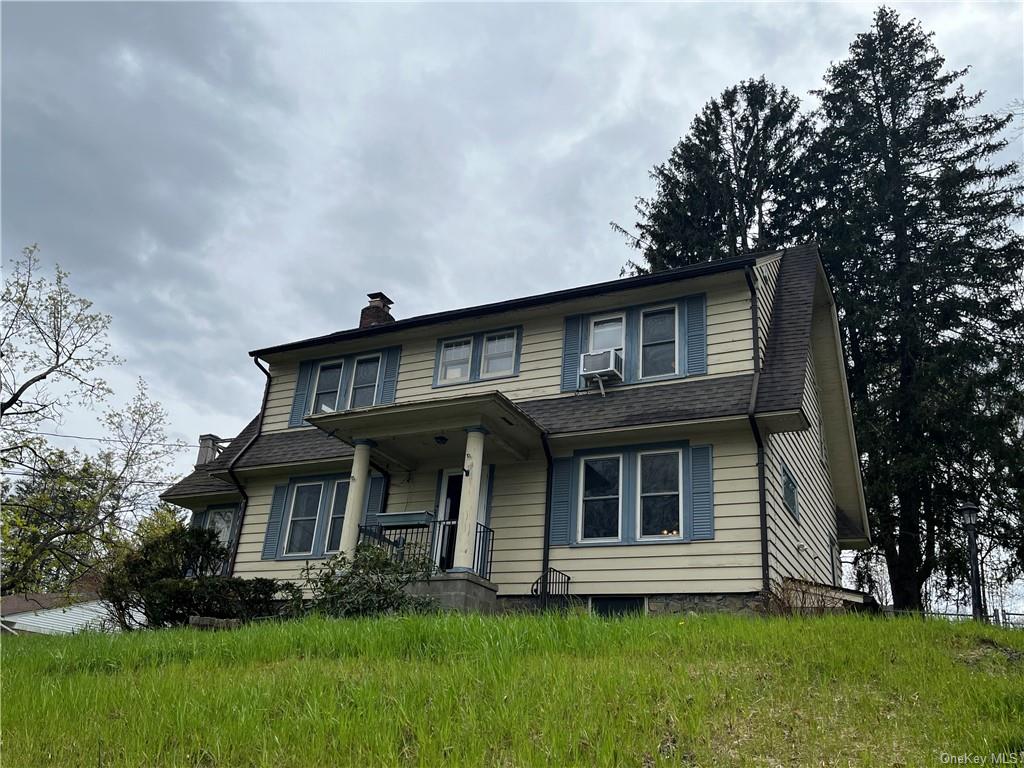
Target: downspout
point(546, 556)
point(236, 539)
point(762, 495)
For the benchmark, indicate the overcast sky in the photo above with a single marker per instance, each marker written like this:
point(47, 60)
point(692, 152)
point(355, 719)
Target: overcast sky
point(225, 177)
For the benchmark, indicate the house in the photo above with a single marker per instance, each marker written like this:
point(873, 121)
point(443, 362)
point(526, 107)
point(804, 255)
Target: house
point(674, 441)
point(53, 613)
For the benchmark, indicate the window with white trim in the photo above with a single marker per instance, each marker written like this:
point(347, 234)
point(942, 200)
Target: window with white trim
point(601, 498)
point(661, 509)
point(456, 359)
point(607, 333)
point(364, 381)
point(337, 516)
point(325, 393)
point(499, 354)
point(302, 518)
point(790, 492)
point(658, 342)
point(219, 520)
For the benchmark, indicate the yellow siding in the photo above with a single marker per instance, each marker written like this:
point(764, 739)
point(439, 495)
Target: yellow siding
point(250, 546)
point(767, 273)
point(802, 454)
point(729, 563)
point(730, 352)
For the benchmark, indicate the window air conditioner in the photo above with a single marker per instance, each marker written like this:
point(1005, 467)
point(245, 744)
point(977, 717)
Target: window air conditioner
point(602, 366)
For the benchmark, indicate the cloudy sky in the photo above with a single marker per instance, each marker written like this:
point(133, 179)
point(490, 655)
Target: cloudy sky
point(224, 177)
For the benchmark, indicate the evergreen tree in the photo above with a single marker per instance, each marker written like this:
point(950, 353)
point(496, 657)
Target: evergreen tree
point(914, 212)
point(731, 185)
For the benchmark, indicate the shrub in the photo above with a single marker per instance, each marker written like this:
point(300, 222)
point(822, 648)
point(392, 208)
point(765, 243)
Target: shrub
point(371, 584)
point(175, 575)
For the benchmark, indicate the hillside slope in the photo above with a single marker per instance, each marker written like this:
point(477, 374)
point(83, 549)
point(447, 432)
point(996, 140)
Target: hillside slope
point(517, 691)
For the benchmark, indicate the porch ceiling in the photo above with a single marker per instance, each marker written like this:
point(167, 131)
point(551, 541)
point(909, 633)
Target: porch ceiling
point(409, 435)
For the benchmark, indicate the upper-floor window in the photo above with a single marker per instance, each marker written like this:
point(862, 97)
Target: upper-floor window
point(661, 509)
point(499, 354)
point(607, 333)
point(328, 384)
point(364, 381)
point(601, 498)
point(658, 342)
point(483, 355)
point(302, 519)
point(790, 492)
point(456, 360)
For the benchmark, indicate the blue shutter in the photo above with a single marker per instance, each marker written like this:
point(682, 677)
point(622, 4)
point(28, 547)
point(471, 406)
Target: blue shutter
point(696, 336)
point(561, 500)
point(374, 500)
point(198, 519)
point(571, 354)
point(389, 381)
point(302, 386)
point(631, 353)
point(272, 538)
point(702, 505)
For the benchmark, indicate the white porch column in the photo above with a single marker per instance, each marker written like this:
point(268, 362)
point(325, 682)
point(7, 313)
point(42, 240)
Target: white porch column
point(469, 503)
point(358, 485)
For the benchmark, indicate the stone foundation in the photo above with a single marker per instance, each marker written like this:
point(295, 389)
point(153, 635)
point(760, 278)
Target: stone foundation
point(462, 592)
point(748, 603)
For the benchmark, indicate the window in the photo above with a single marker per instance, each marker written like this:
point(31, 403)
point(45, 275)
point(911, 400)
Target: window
point(658, 342)
point(328, 381)
point(219, 519)
point(455, 361)
point(364, 382)
point(302, 520)
point(337, 516)
point(499, 356)
point(600, 501)
point(660, 507)
point(610, 607)
point(790, 495)
point(606, 333)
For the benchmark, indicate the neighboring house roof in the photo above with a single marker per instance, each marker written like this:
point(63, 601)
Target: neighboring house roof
point(781, 384)
point(526, 302)
point(64, 620)
point(34, 601)
point(687, 400)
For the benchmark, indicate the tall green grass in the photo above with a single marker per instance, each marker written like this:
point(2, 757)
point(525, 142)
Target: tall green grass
point(517, 691)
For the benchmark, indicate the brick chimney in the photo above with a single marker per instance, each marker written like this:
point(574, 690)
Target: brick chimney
point(377, 311)
point(209, 449)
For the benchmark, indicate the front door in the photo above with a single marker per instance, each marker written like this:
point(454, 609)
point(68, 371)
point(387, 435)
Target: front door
point(451, 497)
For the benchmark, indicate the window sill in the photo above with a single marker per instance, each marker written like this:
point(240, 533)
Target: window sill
point(637, 543)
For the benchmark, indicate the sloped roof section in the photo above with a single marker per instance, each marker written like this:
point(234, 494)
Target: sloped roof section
point(200, 482)
point(686, 400)
point(781, 382)
point(293, 445)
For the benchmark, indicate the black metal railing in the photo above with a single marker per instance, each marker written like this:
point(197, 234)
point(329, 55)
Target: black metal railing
point(433, 541)
point(553, 586)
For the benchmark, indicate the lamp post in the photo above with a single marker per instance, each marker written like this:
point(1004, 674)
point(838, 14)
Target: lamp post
point(969, 513)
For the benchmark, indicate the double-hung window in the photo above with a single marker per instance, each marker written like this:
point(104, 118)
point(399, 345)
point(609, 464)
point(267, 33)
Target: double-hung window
point(499, 354)
point(601, 498)
point(455, 363)
point(658, 342)
point(364, 382)
point(790, 492)
point(661, 509)
point(338, 501)
point(607, 333)
point(328, 382)
point(302, 519)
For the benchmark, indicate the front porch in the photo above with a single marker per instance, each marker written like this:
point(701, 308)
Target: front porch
point(452, 447)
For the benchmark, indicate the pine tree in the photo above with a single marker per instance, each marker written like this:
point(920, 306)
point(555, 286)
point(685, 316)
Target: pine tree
point(731, 185)
point(914, 212)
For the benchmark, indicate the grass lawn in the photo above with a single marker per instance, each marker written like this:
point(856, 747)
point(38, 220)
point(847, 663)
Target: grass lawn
point(517, 691)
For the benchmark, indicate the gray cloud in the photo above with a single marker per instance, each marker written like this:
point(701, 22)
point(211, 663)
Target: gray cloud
point(221, 177)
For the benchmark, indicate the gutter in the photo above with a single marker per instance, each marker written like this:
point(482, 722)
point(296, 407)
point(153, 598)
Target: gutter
point(762, 494)
point(236, 539)
point(546, 546)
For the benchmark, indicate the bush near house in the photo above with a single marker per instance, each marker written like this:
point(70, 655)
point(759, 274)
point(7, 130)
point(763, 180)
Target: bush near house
point(570, 690)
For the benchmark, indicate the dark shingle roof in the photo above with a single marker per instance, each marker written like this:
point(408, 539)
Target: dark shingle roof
point(200, 482)
point(679, 401)
point(781, 383)
point(293, 445)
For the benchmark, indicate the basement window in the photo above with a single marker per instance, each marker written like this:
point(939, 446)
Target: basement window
point(610, 607)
